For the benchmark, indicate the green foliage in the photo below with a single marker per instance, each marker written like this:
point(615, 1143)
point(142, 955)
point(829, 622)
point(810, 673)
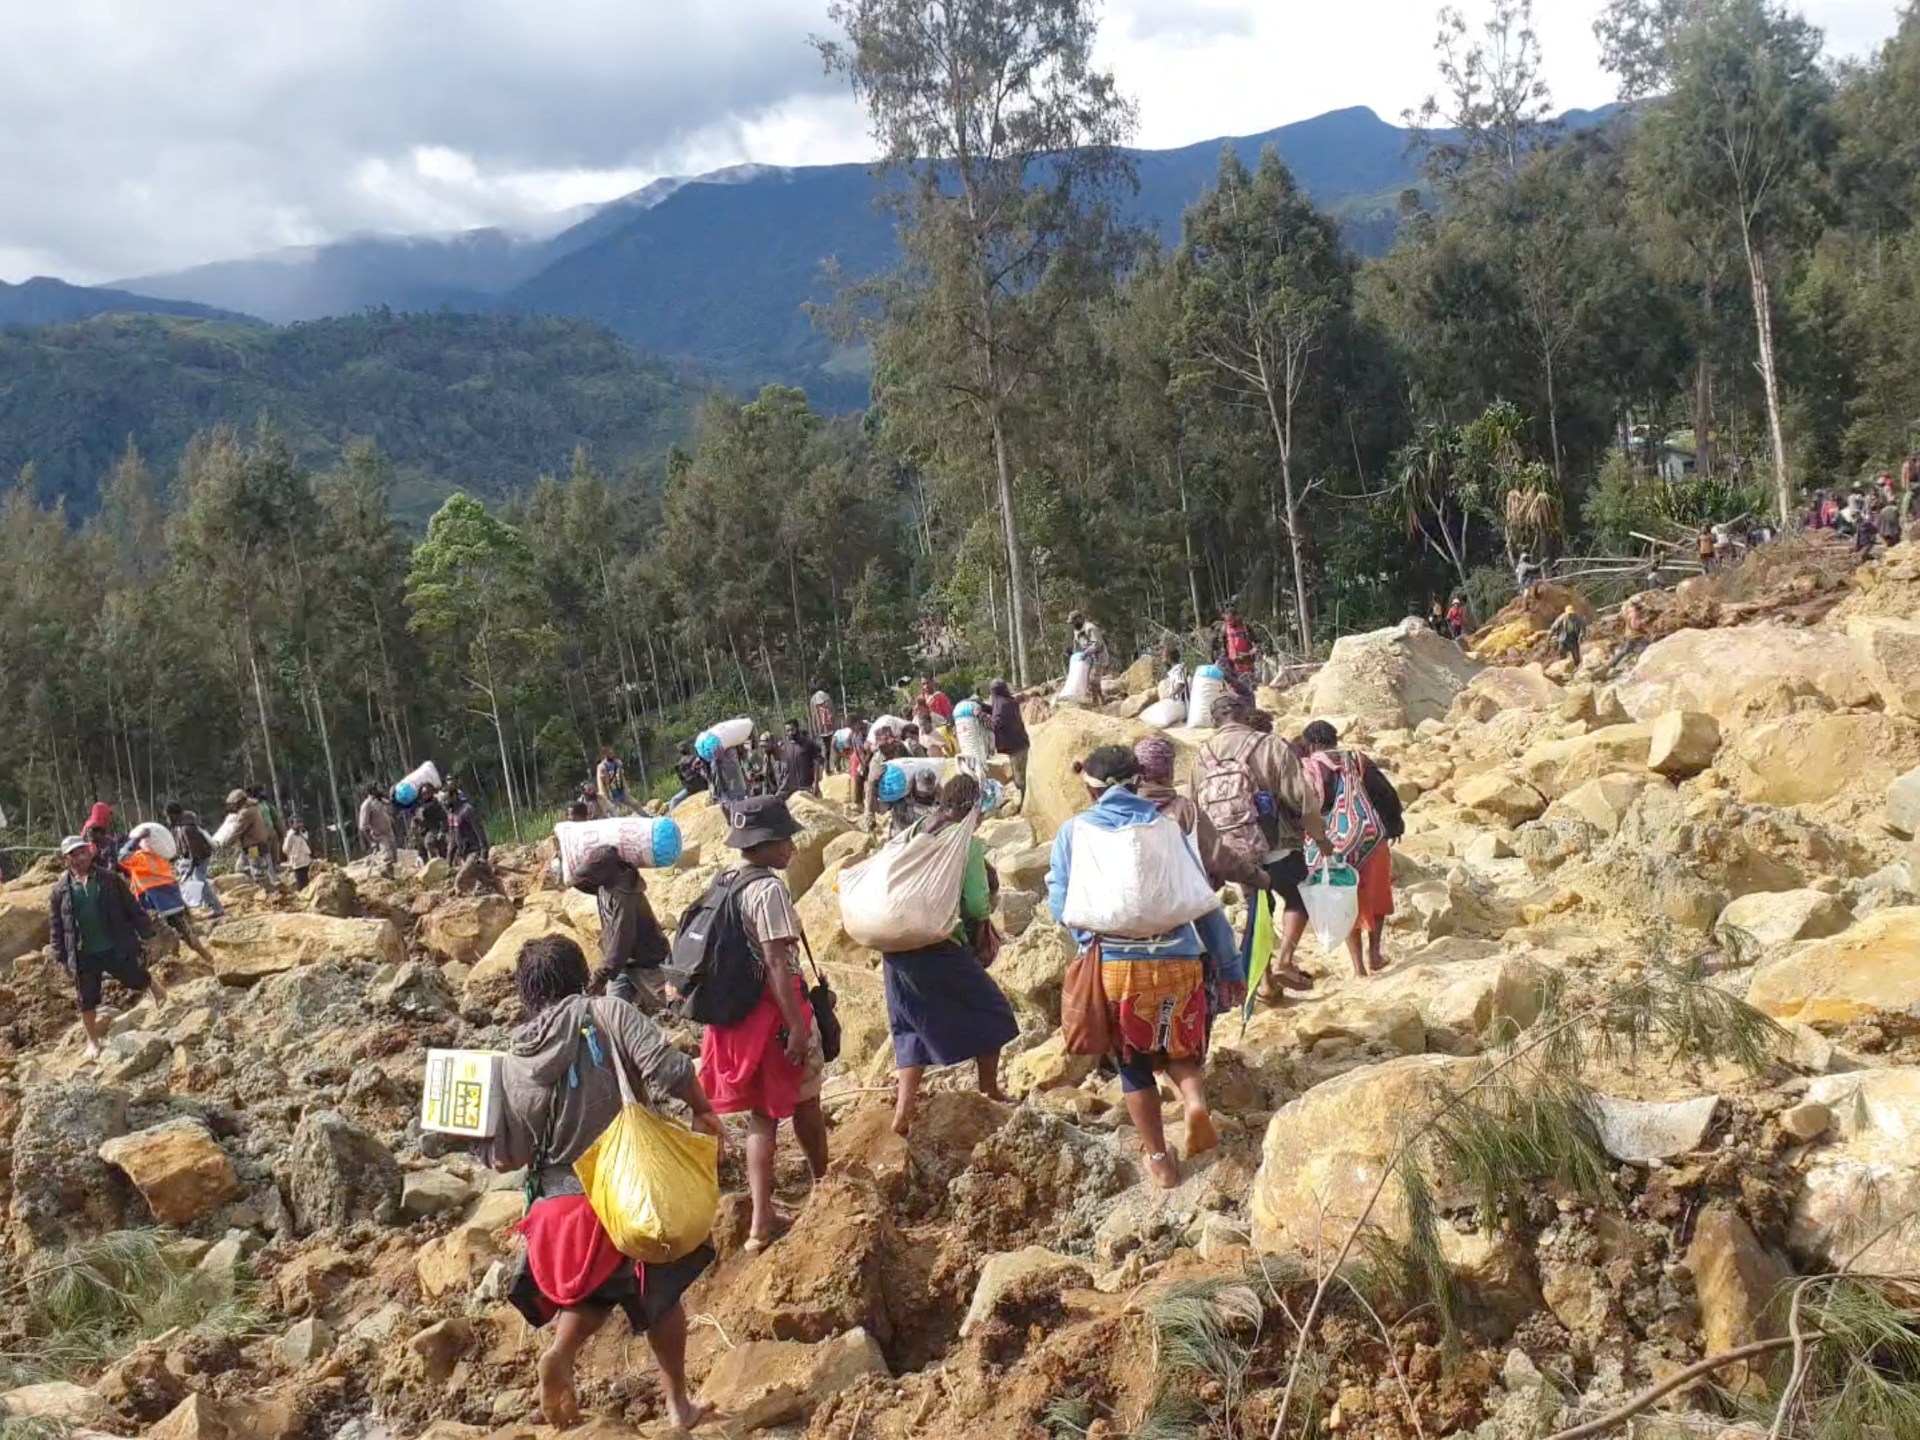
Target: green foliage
point(481, 402)
point(95, 1301)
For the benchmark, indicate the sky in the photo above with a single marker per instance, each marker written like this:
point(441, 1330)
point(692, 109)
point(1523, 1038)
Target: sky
point(138, 136)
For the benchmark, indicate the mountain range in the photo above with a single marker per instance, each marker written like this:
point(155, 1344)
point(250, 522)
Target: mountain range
point(714, 273)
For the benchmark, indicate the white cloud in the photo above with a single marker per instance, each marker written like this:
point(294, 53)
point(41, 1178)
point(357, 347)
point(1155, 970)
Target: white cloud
point(140, 137)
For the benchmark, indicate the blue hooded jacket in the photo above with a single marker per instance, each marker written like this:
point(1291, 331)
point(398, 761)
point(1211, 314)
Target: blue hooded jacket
point(1211, 935)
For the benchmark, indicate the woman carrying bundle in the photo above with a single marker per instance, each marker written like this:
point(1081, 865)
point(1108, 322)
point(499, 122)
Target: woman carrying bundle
point(1370, 819)
point(942, 1006)
point(1156, 987)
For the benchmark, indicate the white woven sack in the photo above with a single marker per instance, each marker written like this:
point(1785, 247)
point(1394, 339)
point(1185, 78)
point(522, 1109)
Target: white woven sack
point(1165, 714)
point(1079, 686)
point(1135, 882)
point(907, 897)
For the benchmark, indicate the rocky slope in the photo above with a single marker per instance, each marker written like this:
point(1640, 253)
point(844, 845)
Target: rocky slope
point(1604, 888)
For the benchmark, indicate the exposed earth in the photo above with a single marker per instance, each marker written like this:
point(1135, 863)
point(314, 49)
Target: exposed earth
point(268, 1247)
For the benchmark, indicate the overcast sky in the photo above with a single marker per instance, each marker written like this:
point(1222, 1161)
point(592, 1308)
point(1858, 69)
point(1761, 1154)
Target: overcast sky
point(142, 135)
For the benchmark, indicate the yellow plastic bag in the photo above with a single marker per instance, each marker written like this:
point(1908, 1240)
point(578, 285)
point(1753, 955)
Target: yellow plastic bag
point(654, 1185)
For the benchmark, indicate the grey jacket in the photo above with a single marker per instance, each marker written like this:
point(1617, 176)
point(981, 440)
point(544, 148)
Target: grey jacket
point(552, 1085)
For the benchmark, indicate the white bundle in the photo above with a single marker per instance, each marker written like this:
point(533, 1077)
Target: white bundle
point(907, 897)
point(1135, 882)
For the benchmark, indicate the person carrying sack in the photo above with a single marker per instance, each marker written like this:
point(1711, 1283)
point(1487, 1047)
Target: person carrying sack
point(566, 1077)
point(942, 1006)
point(1251, 786)
point(1152, 984)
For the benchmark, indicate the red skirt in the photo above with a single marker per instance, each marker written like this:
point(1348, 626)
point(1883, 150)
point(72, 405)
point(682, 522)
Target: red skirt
point(1376, 887)
point(745, 1067)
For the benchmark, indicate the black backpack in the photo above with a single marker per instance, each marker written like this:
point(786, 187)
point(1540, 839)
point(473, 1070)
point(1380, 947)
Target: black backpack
point(712, 964)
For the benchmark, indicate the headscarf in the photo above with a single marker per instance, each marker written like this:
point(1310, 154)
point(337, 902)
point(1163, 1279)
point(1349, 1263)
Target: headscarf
point(1154, 756)
point(100, 817)
point(999, 690)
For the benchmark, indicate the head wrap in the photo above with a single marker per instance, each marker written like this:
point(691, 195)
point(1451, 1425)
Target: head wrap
point(1154, 755)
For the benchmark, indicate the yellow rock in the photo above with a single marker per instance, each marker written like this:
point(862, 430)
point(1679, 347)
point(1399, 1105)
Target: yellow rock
point(1554, 767)
point(1808, 758)
point(1888, 652)
point(463, 929)
point(26, 923)
point(1683, 743)
point(1496, 793)
point(1055, 794)
point(491, 981)
point(247, 948)
point(178, 1168)
point(1873, 967)
point(1325, 1153)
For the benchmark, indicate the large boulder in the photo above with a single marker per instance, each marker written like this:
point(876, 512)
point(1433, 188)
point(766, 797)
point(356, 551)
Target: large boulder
point(821, 825)
point(62, 1189)
point(1855, 1190)
point(1055, 794)
point(26, 923)
point(179, 1168)
point(1808, 758)
point(819, 911)
point(1032, 969)
point(1683, 743)
point(338, 1174)
point(247, 948)
point(1888, 653)
point(1391, 679)
point(462, 930)
point(1554, 767)
point(1500, 795)
point(1508, 687)
point(762, 1383)
point(1871, 968)
point(1737, 1282)
point(1721, 671)
point(1466, 1002)
point(703, 827)
point(1324, 1154)
point(491, 981)
point(1903, 804)
point(1602, 803)
point(450, 1265)
point(1780, 917)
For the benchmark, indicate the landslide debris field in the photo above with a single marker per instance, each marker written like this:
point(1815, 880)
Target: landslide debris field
point(1640, 1090)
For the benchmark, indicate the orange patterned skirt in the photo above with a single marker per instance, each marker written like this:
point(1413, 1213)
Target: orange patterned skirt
point(1158, 1007)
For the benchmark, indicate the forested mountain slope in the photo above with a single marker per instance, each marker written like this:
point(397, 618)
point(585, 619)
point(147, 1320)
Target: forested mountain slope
point(477, 402)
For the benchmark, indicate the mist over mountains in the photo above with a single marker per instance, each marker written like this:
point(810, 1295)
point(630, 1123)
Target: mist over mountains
point(713, 273)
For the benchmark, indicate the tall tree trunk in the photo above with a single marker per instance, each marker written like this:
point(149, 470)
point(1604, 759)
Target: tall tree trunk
point(1010, 532)
point(1283, 438)
point(1553, 422)
point(1703, 385)
point(1763, 327)
point(1186, 536)
point(266, 732)
point(326, 748)
point(500, 736)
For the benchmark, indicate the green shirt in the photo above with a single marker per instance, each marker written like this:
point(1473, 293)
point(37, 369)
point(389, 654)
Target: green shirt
point(95, 937)
point(976, 899)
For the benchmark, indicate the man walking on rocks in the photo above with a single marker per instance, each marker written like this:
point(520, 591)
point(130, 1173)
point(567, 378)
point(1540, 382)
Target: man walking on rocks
point(97, 930)
point(1250, 785)
point(376, 829)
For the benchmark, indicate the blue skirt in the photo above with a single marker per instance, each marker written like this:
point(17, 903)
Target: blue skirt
point(162, 901)
point(944, 1008)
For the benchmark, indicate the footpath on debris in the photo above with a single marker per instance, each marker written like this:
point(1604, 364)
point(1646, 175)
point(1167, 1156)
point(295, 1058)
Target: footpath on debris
point(1645, 1061)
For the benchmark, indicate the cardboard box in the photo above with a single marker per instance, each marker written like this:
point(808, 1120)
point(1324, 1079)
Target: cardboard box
point(462, 1092)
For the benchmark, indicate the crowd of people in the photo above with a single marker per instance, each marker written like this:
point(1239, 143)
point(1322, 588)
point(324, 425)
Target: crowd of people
point(1260, 812)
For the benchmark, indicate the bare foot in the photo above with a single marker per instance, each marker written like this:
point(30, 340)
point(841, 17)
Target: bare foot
point(902, 1122)
point(1202, 1135)
point(759, 1242)
point(1165, 1170)
point(1293, 979)
point(558, 1403)
point(998, 1096)
point(688, 1416)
